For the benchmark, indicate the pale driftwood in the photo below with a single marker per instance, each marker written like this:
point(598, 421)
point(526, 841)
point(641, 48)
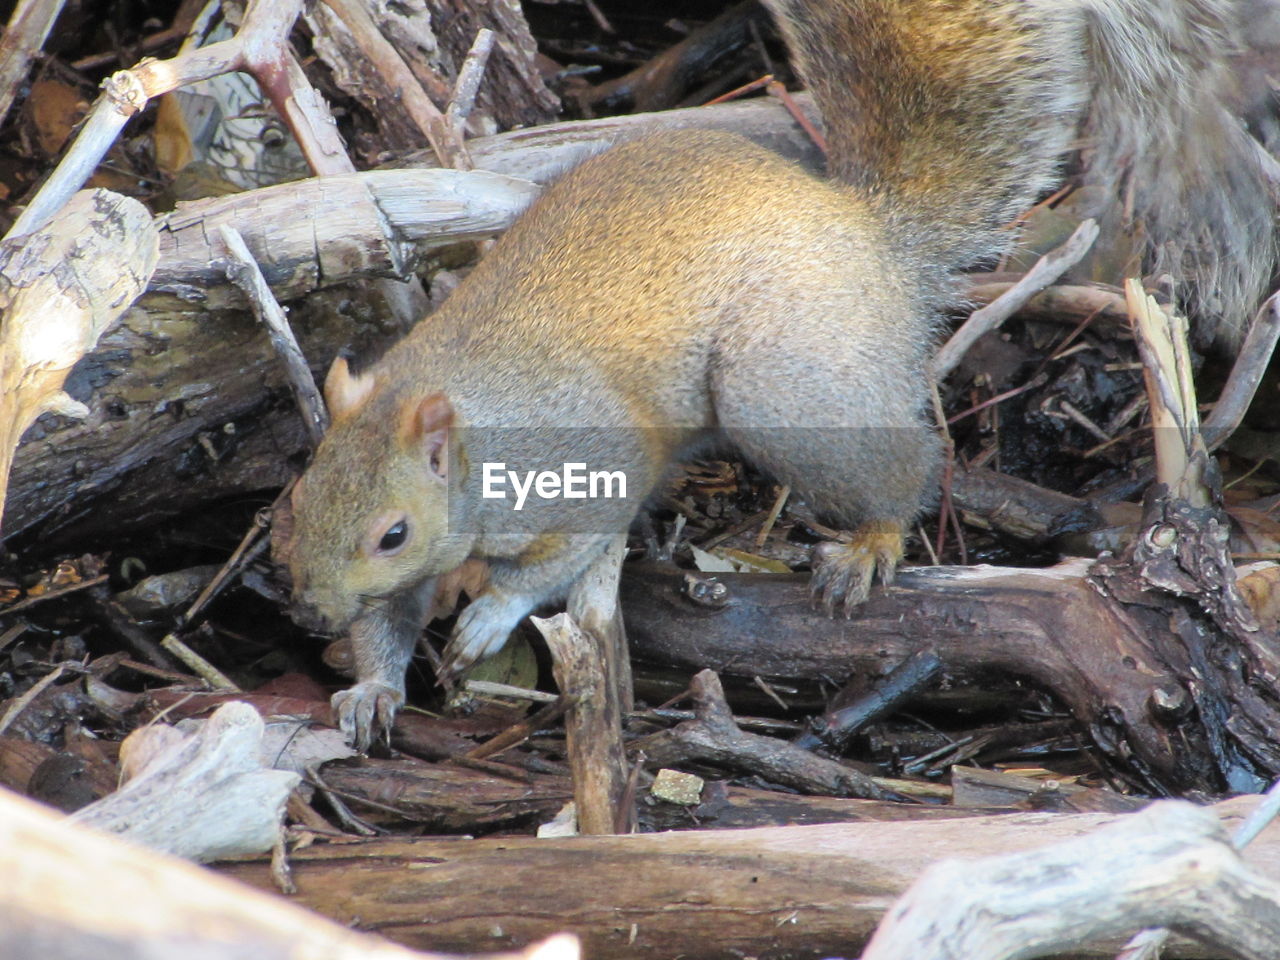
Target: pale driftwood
point(333, 229)
point(593, 605)
point(60, 289)
point(467, 83)
point(1175, 421)
point(1246, 374)
point(1046, 270)
point(23, 36)
point(1149, 944)
point(812, 890)
point(260, 47)
point(321, 232)
point(1169, 865)
point(593, 726)
point(1069, 303)
point(592, 665)
point(71, 892)
point(245, 274)
point(204, 796)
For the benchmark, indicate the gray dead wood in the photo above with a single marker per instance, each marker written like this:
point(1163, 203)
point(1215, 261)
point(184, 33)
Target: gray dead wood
point(72, 892)
point(584, 662)
point(1170, 865)
point(202, 796)
point(60, 289)
point(24, 35)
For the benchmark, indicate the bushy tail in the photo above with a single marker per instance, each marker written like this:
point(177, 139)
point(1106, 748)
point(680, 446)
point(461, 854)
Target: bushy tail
point(1176, 164)
point(952, 117)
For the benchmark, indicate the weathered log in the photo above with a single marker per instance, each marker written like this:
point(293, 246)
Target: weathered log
point(797, 891)
point(1171, 865)
point(1052, 627)
point(72, 892)
point(61, 287)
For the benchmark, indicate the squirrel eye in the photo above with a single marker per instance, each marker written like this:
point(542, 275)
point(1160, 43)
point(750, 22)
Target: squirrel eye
point(394, 538)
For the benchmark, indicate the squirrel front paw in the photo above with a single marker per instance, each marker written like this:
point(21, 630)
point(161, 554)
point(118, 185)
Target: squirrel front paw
point(842, 572)
point(482, 629)
point(365, 711)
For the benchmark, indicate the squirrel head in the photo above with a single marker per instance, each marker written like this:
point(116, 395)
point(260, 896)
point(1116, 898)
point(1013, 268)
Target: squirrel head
point(371, 514)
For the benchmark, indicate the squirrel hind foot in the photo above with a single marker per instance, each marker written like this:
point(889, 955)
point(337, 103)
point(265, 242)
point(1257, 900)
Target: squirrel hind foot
point(842, 572)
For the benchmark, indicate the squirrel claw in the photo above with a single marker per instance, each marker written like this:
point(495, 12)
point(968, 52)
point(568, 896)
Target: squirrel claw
point(842, 572)
point(481, 631)
point(366, 710)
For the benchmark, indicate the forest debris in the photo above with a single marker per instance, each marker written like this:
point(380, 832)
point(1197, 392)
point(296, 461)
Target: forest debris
point(213, 136)
point(342, 227)
point(714, 738)
point(161, 593)
point(985, 319)
point(203, 796)
point(263, 32)
point(664, 80)
point(1066, 303)
point(60, 289)
point(1149, 944)
point(244, 272)
point(995, 788)
point(798, 891)
point(1246, 374)
point(588, 662)
point(674, 786)
point(74, 892)
point(346, 27)
point(835, 728)
point(1170, 865)
point(996, 501)
point(1055, 627)
point(20, 41)
point(445, 797)
point(467, 84)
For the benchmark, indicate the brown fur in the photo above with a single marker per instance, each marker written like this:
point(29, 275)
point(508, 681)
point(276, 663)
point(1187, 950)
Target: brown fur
point(690, 285)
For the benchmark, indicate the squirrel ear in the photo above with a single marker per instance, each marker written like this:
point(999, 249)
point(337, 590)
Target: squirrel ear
point(425, 424)
point(345, 393)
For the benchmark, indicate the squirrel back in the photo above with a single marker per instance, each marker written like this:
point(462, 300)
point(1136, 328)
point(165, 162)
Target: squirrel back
point(953, 117)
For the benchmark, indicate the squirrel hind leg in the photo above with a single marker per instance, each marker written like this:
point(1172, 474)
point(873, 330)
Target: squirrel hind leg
point(842, 572)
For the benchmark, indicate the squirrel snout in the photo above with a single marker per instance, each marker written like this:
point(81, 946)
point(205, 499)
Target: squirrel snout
point(308, 616)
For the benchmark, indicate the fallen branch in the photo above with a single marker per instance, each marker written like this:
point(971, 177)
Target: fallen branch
point(1170, 865)
point(71, 892)
point(60, 289)
point(21, 40)
point(798, 890)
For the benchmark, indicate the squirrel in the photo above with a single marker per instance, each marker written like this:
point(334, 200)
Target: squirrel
point(684, 289)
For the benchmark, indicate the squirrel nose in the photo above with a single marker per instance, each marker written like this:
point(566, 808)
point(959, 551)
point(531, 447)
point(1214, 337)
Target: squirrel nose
point(306, 615)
